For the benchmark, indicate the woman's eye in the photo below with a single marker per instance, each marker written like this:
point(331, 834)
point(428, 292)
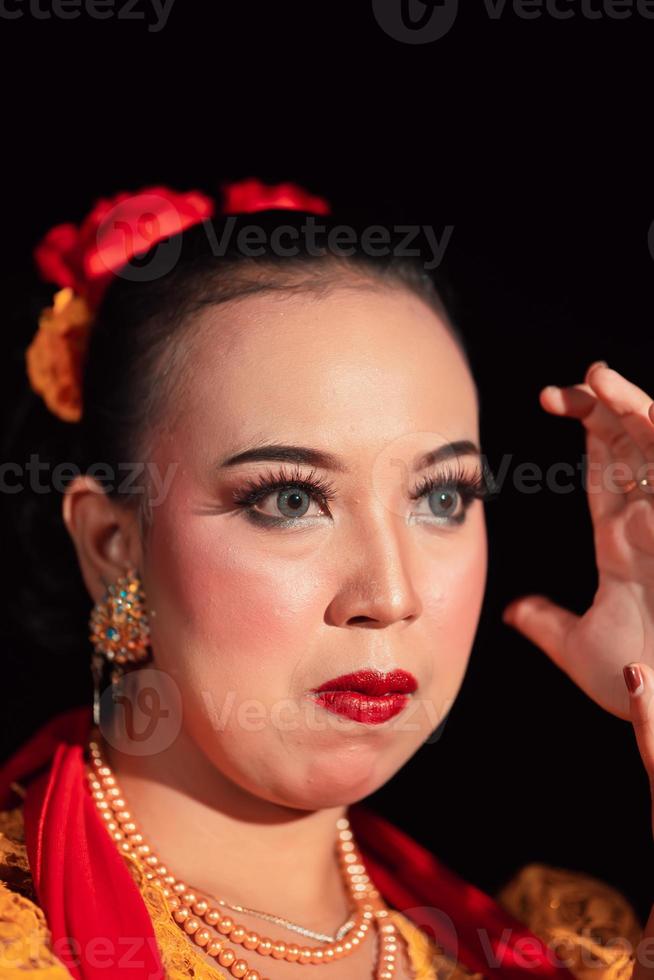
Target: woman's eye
point(290, 502)
point(283, 501)
point(444, 502)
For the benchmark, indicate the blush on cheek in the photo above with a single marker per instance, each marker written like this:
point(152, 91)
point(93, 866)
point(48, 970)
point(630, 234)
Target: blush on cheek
point(452, 606)
point(229, 606)
point(465, 587)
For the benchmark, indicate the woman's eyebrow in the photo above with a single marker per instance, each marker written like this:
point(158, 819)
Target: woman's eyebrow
point(328, 461)
point(461, 447)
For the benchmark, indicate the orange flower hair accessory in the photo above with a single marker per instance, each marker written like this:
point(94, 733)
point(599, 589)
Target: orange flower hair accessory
point(55, 356)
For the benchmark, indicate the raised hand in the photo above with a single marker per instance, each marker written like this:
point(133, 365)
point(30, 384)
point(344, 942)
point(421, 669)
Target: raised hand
point(618, 628)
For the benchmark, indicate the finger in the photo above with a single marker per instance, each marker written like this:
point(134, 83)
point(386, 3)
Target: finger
point(608, 443)
point(580, 405)
point(629, 402)
point(639, 678)
point(581, 402)
point(641, 710)
point(544, 623)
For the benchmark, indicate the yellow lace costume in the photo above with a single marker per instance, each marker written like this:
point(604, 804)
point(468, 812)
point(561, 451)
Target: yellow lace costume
point(581, 917)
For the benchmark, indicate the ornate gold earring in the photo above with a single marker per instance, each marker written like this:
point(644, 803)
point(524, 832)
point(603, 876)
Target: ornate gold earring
point(120, 633)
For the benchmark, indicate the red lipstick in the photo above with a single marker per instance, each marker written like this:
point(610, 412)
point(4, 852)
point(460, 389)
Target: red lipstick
point(367, 695)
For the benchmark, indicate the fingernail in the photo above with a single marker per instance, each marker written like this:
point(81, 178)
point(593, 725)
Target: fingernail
point(633, 679)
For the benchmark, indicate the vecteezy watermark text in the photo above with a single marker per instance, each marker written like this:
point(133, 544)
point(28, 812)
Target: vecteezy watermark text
point(311, 237)
point(424, 21)
point(141, 713)
point(156, 12)
point(114, 951)
point(43, 477)
point(140, 477)
point(341, 240)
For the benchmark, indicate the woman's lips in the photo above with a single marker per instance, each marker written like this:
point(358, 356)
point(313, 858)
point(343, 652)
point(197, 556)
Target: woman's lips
point(367, 695)
point(363, 707)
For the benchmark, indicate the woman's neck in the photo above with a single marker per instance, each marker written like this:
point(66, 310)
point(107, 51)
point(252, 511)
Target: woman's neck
point(228, 843)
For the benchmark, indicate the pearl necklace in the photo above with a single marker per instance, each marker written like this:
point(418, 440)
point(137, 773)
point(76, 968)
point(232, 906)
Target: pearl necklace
point(188, 908)
point(322, 936)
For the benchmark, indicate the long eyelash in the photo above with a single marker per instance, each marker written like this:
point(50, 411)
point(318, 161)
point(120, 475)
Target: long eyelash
point(255, 490)
point(481, 486)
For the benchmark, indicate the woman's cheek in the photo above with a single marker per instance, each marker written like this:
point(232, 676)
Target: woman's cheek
point(451, 609)
point(233, 615)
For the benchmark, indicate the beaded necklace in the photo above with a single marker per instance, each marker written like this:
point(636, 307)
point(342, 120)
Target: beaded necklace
point(208, 927)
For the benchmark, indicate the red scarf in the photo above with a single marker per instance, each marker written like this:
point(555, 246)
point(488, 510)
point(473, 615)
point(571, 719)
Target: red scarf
point(97, 916)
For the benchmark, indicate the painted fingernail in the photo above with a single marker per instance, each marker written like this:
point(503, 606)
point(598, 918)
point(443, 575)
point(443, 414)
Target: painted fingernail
point(633, 678)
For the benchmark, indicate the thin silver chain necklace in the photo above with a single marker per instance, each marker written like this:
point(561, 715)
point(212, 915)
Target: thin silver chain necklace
point(321, 936)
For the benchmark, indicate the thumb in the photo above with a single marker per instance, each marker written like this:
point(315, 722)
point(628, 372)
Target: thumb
point(639, 678)
point(543, 622)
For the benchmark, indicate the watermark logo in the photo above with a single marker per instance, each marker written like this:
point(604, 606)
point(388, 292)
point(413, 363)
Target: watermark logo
point(415, 21)
point(110, 951)
point(135, 234)
point(141, 713)
point(424, 21)
point(393, 474)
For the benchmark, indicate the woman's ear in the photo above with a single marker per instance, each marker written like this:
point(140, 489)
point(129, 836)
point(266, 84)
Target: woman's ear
point(104, 532)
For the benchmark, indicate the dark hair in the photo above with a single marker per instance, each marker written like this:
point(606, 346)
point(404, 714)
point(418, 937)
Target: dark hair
point(139, 342)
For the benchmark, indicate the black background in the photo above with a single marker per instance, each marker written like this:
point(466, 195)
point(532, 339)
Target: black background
point(530, 138)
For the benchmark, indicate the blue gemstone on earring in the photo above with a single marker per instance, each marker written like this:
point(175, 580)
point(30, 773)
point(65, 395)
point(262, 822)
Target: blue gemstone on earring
point(111, 633)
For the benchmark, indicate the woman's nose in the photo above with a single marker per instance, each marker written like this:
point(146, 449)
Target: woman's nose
point(378, 586)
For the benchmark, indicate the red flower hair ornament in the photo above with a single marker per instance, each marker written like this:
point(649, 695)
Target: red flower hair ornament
point(83, 260)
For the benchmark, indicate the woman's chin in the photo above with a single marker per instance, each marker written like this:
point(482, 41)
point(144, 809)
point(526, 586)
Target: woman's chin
point(337, 780)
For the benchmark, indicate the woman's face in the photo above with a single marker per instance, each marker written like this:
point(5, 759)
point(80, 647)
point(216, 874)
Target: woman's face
point(257, 605)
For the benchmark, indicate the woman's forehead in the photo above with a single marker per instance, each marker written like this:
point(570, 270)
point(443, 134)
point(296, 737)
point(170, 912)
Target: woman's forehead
point(344, 349)
point(357, 373)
